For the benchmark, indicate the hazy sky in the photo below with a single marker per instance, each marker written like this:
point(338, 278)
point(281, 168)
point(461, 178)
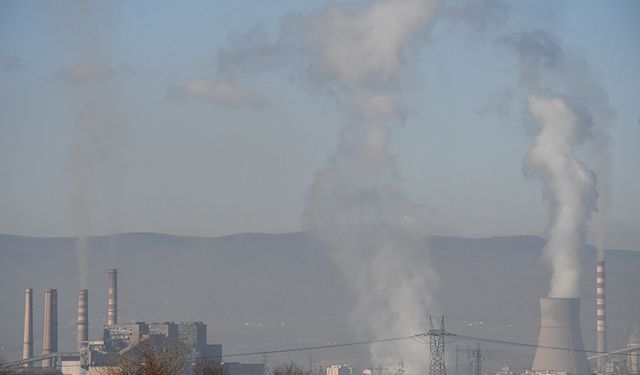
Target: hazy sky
point(180, 148)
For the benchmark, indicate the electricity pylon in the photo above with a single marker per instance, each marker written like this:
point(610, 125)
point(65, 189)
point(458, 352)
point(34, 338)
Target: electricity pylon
point(436, 348)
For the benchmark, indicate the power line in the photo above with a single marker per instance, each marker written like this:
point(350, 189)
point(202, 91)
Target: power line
point(319, 347)
point(506, 342)
point(417, 337)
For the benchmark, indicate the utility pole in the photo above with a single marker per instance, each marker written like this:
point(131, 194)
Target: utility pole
point(401, 367)
point(436, 348)
point(477, 360)
point(264, 362)
point(457, 350)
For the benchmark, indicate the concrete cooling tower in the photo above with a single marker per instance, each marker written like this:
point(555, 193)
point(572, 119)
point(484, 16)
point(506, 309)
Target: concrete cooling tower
point(560, 348)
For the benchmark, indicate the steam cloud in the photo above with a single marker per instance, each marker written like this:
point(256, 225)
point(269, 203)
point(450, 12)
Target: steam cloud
point(356, 207)
point(571, 109)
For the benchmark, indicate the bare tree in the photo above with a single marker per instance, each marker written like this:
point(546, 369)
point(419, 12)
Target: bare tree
point(290, 368)
point(4, 369)
point(149, 360)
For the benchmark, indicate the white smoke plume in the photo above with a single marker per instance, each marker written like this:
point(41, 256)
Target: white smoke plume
point(360, 54)
point(223, 93)
point(569, 184)
point(571, 110)
point(356, 206)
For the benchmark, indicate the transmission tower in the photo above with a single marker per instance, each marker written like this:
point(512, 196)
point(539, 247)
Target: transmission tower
point(436, 348)
point(400, 367)
point(476, 355)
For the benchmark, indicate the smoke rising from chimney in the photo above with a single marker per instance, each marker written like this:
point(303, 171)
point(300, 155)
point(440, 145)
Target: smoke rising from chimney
point(572, 110)
point(360, 55)
point(94, 163)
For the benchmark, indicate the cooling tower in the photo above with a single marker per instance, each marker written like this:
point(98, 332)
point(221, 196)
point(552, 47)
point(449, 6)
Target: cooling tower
point(601, 320)
point(112, 315)
point(27, 346)
point(83, 317)
point(50, 338)
point(560, 347)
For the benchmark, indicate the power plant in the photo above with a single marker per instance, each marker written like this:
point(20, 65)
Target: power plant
point(117, 340)
point(560, 348)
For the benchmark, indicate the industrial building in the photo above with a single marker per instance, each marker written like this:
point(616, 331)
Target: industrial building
point(236, 368)
point(118, 340)
point(560, 349)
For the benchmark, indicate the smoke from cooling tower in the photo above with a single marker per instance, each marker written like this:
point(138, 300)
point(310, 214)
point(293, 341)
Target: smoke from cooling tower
point(356, 207)
point(569, 184)
point(570, 110)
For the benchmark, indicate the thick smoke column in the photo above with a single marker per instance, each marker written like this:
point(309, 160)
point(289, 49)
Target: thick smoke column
point(571, 110)
point(359, 54)
point(356, 206)
point(569, 184)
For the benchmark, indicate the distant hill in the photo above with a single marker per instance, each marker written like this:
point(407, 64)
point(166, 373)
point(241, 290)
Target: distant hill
point(265, 291)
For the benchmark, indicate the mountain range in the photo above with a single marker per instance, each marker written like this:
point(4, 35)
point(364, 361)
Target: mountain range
point(261, 292)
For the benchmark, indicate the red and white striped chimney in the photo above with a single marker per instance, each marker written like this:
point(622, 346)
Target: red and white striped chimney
point(83, 317)
point(601, 317)
point(27, 346)
point(112, 316)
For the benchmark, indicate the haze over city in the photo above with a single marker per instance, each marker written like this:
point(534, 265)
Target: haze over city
point(308, 173)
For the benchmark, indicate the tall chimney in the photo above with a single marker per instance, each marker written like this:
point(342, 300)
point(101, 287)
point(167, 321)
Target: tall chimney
point(83, 317)
point(112, 317)
point(560, 347)
point(50, 338)
point(27, 346)
point(601, 317)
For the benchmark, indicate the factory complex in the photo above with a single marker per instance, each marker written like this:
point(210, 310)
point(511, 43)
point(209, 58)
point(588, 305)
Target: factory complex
point(119, 340)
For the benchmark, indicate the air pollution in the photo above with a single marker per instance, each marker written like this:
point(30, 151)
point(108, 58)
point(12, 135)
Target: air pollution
point(94, 163)
point(356, 206)
point(570, 113)
point(360, 55)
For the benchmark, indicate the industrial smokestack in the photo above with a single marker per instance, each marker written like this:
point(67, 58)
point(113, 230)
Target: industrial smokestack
point(112, 317)
point(27, 347)
point(560, 347)
point(50, 338)
point(601, 317)
point(83, 317)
